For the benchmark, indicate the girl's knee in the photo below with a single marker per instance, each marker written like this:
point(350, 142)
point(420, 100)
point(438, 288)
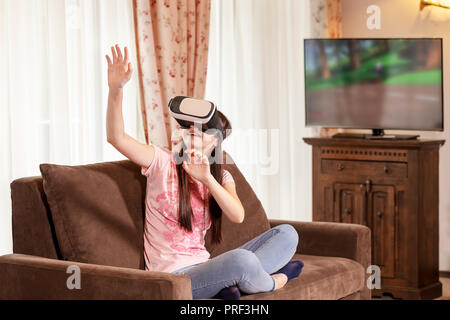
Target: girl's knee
point(243, 260)
point(247, 272)
point(289, 233)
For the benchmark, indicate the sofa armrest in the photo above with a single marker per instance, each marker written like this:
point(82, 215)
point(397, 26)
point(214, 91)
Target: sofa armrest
point(330, 239)
point(32, 277)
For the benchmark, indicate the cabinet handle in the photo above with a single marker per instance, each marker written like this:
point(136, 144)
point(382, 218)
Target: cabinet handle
point(379, 214)
point(347, 211)
point(386, 170)
point(368, 185)
point(340, 166)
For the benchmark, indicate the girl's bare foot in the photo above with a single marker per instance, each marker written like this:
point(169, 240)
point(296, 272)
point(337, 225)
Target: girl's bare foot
point(280, 280)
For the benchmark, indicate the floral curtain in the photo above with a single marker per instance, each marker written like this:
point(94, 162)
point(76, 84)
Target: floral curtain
point(172, 47)
point(334, 18)
point(326, 19)
point(319, 21)
point(326, 22)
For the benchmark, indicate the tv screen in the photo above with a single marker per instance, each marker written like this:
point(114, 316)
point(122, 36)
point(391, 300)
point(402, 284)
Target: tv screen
point(374, 83)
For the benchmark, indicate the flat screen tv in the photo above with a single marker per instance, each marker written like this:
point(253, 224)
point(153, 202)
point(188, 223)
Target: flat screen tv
point(374, 83)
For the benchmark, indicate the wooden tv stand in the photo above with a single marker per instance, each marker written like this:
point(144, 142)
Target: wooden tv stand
point(391, 186)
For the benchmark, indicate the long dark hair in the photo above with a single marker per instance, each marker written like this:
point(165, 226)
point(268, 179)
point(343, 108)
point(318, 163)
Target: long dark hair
point(185, 213)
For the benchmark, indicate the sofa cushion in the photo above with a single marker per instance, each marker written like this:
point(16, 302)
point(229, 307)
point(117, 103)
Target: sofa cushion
point(322, 278)
point(97, 211)
point(255, 220)
point(32, 229)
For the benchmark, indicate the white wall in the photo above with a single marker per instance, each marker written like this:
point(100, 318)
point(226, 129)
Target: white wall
point(403, 18)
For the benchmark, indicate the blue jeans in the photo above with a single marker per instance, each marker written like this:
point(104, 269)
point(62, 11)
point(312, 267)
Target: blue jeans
point(249, 266)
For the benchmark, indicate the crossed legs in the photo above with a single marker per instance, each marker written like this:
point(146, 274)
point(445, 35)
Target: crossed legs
point(248, 267)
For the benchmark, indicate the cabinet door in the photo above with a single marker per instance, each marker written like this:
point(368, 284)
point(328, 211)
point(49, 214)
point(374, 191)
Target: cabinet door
point(381, 214)
point(349, 203)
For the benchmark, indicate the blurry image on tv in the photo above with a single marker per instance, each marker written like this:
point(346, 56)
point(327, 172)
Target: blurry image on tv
point(374, 83)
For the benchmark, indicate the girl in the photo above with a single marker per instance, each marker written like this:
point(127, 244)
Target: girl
point(183, 200)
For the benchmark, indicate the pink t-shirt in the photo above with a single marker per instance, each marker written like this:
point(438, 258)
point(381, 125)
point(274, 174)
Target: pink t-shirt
point(167, 246)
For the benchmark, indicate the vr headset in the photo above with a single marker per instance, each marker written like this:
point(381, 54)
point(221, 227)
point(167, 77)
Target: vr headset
point(189, 111)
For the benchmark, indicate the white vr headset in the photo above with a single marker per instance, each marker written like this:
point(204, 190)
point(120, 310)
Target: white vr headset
point(189, 111)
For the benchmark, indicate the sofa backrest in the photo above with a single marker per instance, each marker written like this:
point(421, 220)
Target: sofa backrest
point(95, 214)
point(255, 221)
point(32, 228)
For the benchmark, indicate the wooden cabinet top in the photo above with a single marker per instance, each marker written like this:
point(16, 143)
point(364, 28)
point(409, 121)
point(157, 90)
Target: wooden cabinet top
point(388, 143)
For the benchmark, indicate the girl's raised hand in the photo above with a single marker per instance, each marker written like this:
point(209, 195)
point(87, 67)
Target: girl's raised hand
point(119, 68)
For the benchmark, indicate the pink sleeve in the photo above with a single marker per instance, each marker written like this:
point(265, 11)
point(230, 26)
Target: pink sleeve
point(227, 177)
point(161, 157)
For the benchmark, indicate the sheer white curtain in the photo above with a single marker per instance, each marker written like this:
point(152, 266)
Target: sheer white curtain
point(53, 87)
point(255, 75)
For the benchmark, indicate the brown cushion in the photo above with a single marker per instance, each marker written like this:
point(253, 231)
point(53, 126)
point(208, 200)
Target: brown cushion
point(33, 231)
point(97, 212)
point(255, 221)
point(322, 278)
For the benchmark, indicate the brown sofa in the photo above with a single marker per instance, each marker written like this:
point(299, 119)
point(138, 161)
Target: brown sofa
point(92, 216)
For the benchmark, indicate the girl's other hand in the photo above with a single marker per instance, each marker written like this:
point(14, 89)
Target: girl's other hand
point(119, 69)
point(197, 166)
